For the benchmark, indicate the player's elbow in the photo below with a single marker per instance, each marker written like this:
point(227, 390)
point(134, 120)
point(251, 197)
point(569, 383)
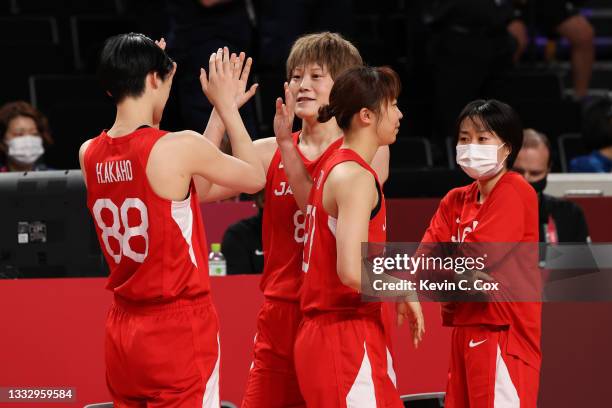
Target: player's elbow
point(256, 184)
point(349, 277)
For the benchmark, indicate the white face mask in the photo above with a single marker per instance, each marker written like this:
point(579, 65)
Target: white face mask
point(25, 149)
point(479, 161)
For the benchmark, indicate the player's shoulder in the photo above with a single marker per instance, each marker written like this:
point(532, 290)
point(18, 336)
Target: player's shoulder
point(349, 174)
point(514, 183)
point(458, 194)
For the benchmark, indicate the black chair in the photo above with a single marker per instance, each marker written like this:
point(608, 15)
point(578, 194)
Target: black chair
point(28, 30)
point(421, 183)
point(570, 145)
point(426, 400)
point(88, 36)
point(77, 108)
point(64, 6)
point(411, 153)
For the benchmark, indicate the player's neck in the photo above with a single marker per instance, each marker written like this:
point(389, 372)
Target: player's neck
point(361, 142)
point(131, 114)
point(318, 134)
point(486, 186)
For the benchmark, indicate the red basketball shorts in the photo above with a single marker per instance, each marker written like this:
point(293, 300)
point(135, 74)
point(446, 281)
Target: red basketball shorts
point(484, 374)
point(163, 356)
point(272, 381)
point(343, 361)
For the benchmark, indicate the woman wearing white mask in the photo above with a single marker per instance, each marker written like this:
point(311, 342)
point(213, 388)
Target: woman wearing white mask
point(24, 132)
point(495, 349)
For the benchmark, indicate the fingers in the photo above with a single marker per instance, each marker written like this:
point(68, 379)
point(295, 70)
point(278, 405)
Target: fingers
point(227, 66)
point(279, 106)
point(219, 62)
point(252, 90)
point(236, 65)
point(161, 43)
point(246, 71)
point(212, 66)
point(203, 79)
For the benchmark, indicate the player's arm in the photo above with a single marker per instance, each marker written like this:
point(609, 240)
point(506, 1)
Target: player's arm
point(241, 68)
point(297, 175)
point(196, 155)
point(220, 88)
point(82, 151)
point(355, 195)
point(215, 128)
point(209, 192)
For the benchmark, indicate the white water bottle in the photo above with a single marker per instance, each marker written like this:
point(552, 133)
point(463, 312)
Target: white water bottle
point(216, 261)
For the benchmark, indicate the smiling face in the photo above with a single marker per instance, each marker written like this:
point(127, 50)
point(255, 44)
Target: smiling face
point(311, 85)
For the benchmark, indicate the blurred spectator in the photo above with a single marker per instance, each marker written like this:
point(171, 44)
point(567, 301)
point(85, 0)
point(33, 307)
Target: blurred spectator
point(24, 133)
point(470, 45)
point(242, 245)
point(555, 18)
point(560, 220)
point(197, 29)
point(597, 135)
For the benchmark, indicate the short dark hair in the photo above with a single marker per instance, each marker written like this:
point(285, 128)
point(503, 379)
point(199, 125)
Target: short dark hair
point(497, 117)
point(597, 123)
point(126, 60)
point(360, 87)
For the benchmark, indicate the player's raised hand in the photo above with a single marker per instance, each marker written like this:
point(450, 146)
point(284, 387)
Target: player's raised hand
point(412, 312)
point(161, 43)
point(219, 85)
point(241, 71)
point(283, 119)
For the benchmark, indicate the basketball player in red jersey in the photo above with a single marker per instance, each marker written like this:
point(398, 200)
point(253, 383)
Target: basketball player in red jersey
point(161, 341)
point(341, 353)
point(495, 350)
point(314, 62)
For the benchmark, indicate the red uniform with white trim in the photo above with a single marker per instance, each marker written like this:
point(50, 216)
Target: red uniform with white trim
point(341, 353)
point(272, 381)
point(162, 331)
point(495, 350)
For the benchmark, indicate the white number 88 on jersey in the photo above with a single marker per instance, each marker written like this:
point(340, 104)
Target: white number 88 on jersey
point(129, 231)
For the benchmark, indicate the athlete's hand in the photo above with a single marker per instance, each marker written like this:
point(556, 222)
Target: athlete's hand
point(219, 85)
point(412, 312)
point(161, 43)
point(283, 119)
point(240, 72)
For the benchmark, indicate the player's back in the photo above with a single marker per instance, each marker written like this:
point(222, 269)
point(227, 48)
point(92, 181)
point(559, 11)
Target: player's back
point(154, 247)
point(283, 228)
point(322, 290)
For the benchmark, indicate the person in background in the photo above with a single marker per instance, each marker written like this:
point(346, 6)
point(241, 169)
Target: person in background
point(495, 346)
point(560, 220)
point(24, 133)
point(198, 28)
point(242, 245)
point(470, 46)
point(560, 18)
point(597, 135)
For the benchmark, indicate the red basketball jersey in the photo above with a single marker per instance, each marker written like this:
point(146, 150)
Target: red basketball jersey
point(510, 214)
point(284, 228)
point(322, 290)
point(154, 247)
